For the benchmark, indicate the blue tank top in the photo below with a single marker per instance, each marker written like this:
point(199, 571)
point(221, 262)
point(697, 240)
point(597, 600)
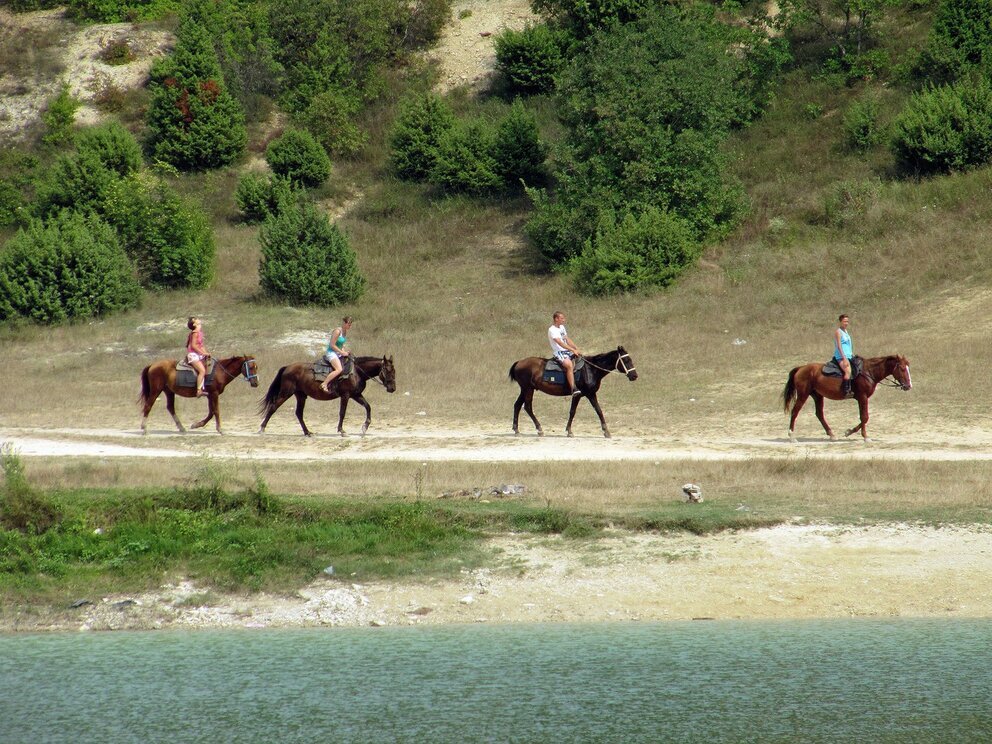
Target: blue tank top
point(845, 345)
point(341, 342)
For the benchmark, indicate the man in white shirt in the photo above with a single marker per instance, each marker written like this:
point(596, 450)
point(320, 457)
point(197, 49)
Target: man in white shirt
point(563, 349)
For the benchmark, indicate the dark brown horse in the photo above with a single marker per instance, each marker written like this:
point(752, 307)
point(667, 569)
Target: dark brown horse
point(160, 377)
point(528, 374)
point(809, 381)
point(297, 379)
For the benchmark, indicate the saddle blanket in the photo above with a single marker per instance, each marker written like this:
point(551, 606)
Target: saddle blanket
point(554, 374)
point(322, 369)
point(832, 369)
point(186, 375)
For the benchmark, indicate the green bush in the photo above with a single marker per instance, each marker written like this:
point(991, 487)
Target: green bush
point(21, 507)
point(585, 17)
point(306, 259)
point(168, 237)
point(465, 159)
point(517, 148)
point(78, 181)
point(946, 128)
point(118, 11)
point(258, 197)
point(23, 5)
point(861, 128)
point(416, 134)
point(114, 145)
point(330, 116)
point(194, 123)
point(59, 117)
point(71, 266)
point(960, 41)
point(647, 250)
point(530, 59)
point(298, 157)
point(427, 19)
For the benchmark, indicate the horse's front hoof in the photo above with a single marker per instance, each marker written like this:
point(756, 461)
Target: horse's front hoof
point(308, 434)
point(569, 434)
point(607, 435)
point(261, 430)
point(540, 432)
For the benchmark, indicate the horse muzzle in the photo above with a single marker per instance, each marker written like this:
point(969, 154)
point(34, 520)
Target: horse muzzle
point(632, 375)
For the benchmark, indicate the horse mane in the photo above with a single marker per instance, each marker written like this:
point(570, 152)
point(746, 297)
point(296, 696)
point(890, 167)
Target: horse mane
point(597, 358)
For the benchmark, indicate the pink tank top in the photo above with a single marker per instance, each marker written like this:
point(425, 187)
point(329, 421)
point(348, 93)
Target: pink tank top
point(189, 341)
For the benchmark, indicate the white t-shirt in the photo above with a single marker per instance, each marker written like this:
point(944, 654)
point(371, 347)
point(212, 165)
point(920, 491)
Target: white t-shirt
point(556, 334)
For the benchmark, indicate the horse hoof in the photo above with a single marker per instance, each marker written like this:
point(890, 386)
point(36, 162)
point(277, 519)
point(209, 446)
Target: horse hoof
point(607, 435)
point(570, 435)
point(540, 432)
point(260, 431)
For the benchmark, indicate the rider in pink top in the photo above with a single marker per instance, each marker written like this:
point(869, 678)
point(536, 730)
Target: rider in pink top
point(196, 352)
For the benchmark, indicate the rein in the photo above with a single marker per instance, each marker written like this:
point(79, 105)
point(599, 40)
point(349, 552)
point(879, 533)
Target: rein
point(245, 374)
point(368, 376)
point(616, 367)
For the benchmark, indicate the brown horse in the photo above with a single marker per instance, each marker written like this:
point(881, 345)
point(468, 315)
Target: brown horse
point(809, 380)
point(160, 377)
point(297, 379)
point(528, 373)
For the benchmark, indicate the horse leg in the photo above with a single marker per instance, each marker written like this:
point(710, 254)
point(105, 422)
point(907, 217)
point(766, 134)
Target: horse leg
point(301, 401)
point(818, 400)
point(529, 407)
point(602, 419)
point(796, 408)
point(517, 405)
point(571, 413)
point(146, 409)
point(170, 405)
point(863, 424)
point(271, 409)
point(360, 399)
point(211, 398)
point(343, 409)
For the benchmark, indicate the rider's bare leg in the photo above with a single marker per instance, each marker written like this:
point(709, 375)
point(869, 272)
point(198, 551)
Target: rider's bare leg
point(336, 365)
point(201, 372)
point(569, 366)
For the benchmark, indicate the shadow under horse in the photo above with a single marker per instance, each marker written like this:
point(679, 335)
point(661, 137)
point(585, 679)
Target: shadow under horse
point(529, 374)
point(160, 377)
point(298, 380)
point(809, 381)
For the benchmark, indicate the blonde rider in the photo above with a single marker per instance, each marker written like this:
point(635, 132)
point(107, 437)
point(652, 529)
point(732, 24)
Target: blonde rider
point(563, 349)
point(335, 351)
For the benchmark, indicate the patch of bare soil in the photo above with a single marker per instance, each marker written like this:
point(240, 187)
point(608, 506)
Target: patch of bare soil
point(787, 572)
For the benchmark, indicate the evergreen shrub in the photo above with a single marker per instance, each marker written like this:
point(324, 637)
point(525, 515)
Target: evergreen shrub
point(530, 59)
point(517, 148)
point(647, 250)
point(168, 237)
point(416, 134)
point(59, 117)
point(960, 41)
point(69, 267)
point(298, 157)
point(465, 159)
point(78, 181)
point(119, 11)
point(114, 145)
point(945, 128)
point(258, 197)
point(306, 260)
point(861, 128)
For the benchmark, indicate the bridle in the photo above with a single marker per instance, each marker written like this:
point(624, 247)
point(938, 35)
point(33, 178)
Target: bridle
point(367, 376)
point(246, 373)
point(620, 366)
point(895, 383)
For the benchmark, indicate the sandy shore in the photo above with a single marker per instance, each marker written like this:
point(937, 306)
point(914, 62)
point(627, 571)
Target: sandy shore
point(786, 572)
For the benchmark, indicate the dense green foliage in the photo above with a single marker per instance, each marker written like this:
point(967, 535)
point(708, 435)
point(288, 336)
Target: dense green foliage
point(259, 197)
point(530, 59)
point(306, 260)
point(465, 161)
point(193, 121)
point(118, 11)
point(960, 41)
point(113, 145)
point(517, 149)
point(647, 107)
point(299, 158)
point(69, 267)
point(59, 117)
point(168, 237)
point(861, 126)
point(649, 249)
point(22, 5)
point(416, 134)
point(584, 17)
point(946, 128)
point(77, 181)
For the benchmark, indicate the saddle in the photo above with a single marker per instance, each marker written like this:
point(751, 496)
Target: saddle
point(554, 374)
point(832, 369)
point(186, 375)
point(321, 369)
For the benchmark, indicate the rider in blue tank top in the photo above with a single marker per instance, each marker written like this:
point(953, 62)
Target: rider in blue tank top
point(844, 352)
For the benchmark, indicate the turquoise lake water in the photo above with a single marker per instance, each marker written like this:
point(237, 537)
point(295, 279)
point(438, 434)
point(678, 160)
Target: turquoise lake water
point(712, 681)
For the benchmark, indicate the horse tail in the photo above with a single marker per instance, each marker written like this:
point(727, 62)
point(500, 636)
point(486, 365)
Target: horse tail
point(789, 394)
point(273, 395)
point(513, 371)
point(146, 386)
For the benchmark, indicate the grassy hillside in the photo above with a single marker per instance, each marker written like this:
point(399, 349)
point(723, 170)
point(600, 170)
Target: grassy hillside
point(454, 296)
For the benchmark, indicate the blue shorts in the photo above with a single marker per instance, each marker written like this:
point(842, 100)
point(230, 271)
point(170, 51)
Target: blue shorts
point(560, 355)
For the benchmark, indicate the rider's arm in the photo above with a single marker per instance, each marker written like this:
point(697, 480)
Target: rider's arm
point(570, 346)
point(198, 344)
point(335, 335)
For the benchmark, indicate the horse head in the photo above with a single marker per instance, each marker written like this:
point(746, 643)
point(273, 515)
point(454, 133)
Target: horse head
point(388, 374)
point(900, 372)
point(249, 368)
point(625, 364)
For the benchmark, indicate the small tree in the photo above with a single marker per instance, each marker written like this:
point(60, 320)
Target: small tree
point(465, 160)
point(78, 181)
point(861, 128)
point(415, 136)
point(69, 267)
point(298, 157)
point(258, 197)
point(193, 120)
point(517, 148)
point(530, 59)
point(114, 145)
point(168, 237)
point(59, 117)
point(306, 259)
point(960, 40)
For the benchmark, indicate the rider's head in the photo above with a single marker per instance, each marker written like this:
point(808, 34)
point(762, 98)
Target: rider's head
point(558, 317)
point(346, 321)
point(192, 322)
point(842, 318)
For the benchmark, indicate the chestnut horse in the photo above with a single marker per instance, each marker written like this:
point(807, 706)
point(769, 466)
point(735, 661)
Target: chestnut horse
point(297, 379)
point(809, 380)
point(529, 372)
point(160, 377)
